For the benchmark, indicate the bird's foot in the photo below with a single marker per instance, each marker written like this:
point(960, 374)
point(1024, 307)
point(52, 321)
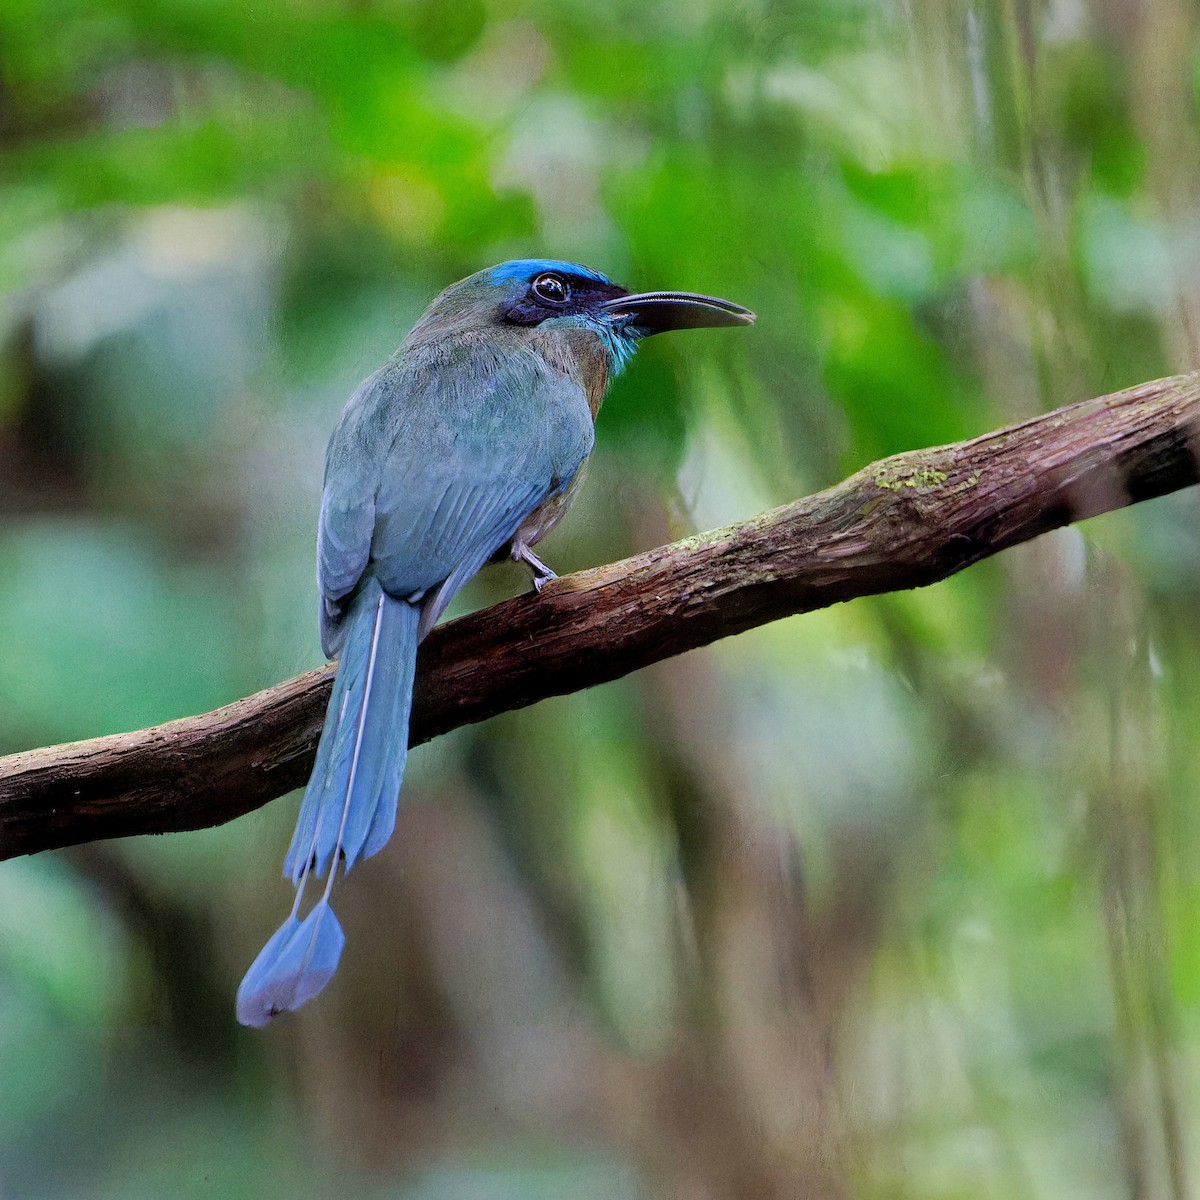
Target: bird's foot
point(541, 573)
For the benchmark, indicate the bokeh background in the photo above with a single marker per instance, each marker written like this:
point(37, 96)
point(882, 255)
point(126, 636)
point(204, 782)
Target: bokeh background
point(900, 899)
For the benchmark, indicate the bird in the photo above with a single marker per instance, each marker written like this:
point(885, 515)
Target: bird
point(467, 445)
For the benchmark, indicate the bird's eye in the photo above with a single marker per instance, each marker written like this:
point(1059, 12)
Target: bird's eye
point(551, 288)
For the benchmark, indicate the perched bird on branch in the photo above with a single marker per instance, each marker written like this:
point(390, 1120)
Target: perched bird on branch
point(467, 445)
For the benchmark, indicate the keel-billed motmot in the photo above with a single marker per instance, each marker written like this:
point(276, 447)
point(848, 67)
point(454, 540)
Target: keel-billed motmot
point(468, 443)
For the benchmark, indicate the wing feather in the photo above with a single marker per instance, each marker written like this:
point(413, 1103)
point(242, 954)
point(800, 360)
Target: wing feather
point(430, 472)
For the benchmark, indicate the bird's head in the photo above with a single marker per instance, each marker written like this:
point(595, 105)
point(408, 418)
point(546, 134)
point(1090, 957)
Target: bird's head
point(548, 296)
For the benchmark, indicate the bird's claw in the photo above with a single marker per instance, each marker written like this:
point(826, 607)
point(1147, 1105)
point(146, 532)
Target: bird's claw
point(541, 573)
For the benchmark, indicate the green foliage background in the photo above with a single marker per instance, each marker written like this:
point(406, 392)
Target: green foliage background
point(899, 899)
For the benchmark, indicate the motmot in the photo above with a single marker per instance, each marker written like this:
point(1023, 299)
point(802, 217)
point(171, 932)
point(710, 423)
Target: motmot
point(467, 445)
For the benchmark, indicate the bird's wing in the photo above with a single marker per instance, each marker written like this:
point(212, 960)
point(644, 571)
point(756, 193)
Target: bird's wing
point(478, 450)
point(354, 463)
point(434, 470)
point(352, 468)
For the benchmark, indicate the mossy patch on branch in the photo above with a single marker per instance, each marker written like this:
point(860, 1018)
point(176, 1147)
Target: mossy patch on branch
point(895, 478)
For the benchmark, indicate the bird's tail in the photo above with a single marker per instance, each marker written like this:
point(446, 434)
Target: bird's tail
point(349, 806)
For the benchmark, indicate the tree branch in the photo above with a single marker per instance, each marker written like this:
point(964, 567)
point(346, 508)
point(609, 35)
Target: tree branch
point(904, 522)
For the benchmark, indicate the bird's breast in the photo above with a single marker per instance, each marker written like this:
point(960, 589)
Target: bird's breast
point(579, 354)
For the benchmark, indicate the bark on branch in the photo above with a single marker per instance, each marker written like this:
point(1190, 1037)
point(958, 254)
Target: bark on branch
point(902, 522)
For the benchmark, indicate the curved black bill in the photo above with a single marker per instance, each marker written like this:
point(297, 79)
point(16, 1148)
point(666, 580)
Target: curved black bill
point(656, 312)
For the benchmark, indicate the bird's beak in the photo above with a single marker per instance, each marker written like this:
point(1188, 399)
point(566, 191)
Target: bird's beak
point(656, 312)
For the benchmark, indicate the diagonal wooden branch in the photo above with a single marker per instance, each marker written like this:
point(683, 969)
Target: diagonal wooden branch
point(903, 522)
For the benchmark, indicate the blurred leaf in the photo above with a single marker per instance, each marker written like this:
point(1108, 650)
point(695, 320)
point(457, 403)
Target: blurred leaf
point(107, 635)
